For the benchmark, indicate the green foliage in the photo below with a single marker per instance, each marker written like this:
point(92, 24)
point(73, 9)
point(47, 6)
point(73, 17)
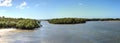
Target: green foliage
point(103, 19)
point(19, 23)
point(67, 21)
point(79, 20)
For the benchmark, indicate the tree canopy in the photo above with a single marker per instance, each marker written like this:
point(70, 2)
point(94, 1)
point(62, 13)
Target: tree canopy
point(67, 21)
point(19, 23)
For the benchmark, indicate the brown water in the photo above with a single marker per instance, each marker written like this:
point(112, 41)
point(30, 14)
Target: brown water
point(90, 32)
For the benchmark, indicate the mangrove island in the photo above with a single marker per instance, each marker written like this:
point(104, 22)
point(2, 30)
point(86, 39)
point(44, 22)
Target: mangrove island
point(19, 23)
point(67, 21)
point(78, 20)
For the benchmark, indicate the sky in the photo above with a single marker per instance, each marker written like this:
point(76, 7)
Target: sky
point(47, 9)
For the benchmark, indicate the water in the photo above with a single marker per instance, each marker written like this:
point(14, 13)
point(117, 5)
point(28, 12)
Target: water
point(90, 32)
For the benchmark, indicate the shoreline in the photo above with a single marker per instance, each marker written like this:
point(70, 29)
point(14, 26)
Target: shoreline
point(4, 31)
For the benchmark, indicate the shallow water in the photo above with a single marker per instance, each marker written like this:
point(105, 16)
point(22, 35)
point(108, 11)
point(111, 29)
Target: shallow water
point(90, 32)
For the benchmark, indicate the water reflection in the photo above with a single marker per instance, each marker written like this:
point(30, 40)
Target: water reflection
point(18, 36)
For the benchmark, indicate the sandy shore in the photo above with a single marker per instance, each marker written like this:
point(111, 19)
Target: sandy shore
point(5, 31)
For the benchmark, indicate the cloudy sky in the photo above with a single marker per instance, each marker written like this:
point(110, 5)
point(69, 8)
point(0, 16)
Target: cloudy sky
point(45, 9)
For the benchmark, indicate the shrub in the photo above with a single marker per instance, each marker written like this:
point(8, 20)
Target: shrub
point(67, 21)
point(19, 23)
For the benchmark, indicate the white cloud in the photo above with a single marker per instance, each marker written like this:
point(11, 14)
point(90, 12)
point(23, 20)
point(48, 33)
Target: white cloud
point(23, 5)
point(80, 3)
point(40, 4)
point(6, 3)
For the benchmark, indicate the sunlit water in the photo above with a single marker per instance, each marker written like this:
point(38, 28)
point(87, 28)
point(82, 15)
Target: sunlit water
point(90, 32)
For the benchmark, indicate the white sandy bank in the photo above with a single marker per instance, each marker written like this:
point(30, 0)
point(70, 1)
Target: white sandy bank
point(5, 31)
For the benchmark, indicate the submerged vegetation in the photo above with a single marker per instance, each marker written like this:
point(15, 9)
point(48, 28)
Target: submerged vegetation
point(19, 23)
point(67, 21)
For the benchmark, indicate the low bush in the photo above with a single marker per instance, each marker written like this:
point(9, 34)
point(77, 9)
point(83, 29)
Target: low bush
point(67, 21)
point(19, 23)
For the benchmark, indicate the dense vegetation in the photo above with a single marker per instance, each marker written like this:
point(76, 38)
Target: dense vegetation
point(79, 20)
point(103, 19)
point(67, 21)
point(19, 23)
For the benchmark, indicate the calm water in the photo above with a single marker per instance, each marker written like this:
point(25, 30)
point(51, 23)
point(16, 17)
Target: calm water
point(90, 32)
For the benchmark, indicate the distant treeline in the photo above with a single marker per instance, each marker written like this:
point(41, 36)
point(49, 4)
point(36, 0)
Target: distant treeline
point(103, 19)
point(19, 23)
point(67, 21)
point(79, 20)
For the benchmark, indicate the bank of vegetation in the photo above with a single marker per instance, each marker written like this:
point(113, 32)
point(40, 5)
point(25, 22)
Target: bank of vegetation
point(67, 21)
point(19, 23)
point(103, 19)
point(79, 20)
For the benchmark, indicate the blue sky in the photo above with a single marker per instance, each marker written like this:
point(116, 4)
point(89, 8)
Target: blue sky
point(47, 9)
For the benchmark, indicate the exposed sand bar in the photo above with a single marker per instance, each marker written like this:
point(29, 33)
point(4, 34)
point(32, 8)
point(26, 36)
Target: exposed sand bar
point(6, 34)
point(5, 31)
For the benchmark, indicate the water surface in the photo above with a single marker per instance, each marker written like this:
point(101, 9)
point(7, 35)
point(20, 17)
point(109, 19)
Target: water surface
point(90, 32)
